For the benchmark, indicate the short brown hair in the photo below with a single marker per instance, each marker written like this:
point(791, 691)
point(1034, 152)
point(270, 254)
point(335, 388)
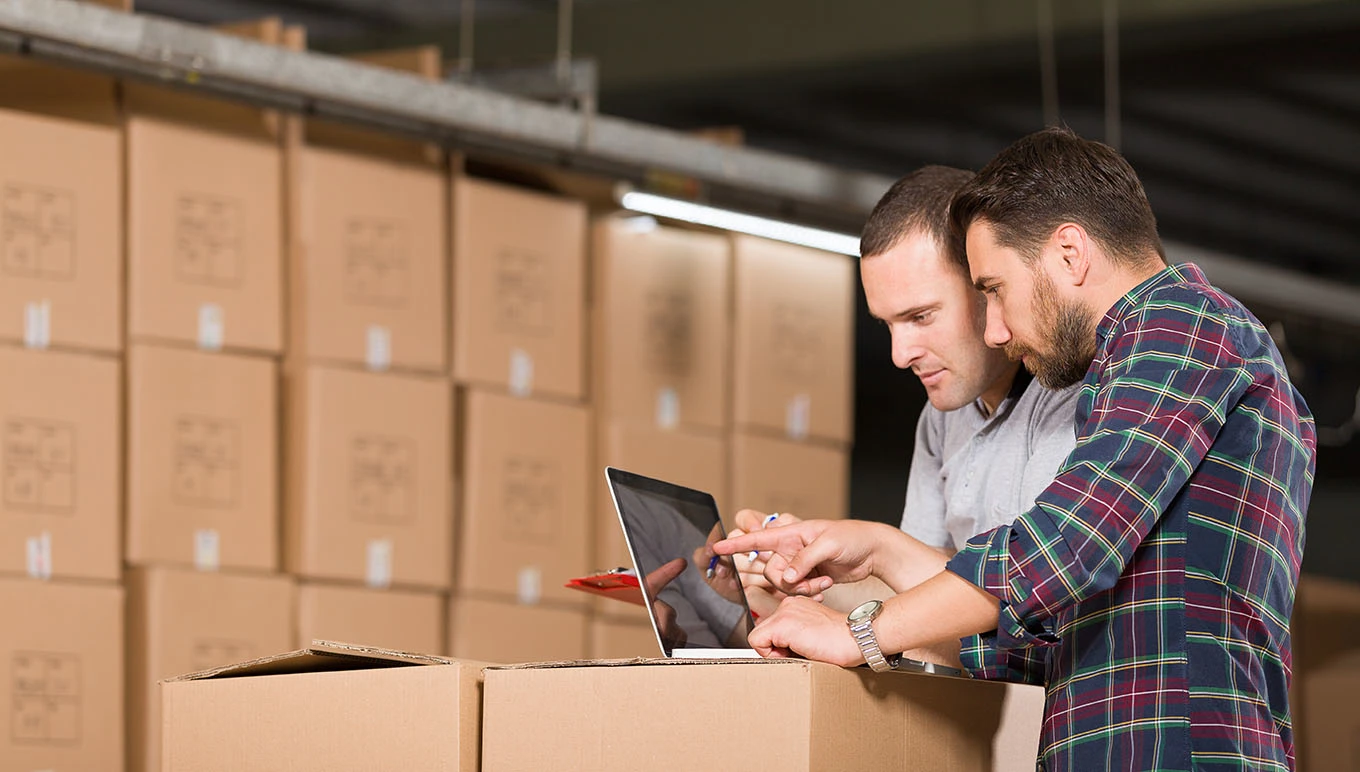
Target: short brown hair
point(919, 202)
point(1052, 177)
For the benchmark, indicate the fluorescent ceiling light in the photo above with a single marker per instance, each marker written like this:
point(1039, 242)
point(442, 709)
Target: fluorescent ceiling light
point(726, 219)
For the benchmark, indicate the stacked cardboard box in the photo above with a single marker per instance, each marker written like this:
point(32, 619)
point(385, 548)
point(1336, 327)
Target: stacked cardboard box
point(1325, 638)
point(518, 358)
point(660, 359)
point(793, 378)
point(368, 407)
point(61, 341)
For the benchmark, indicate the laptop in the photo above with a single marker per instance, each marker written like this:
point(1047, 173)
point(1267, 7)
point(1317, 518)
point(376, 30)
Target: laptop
point(701, 611)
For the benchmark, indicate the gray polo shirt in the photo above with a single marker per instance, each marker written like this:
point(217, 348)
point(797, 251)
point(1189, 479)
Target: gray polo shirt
point(971, 472)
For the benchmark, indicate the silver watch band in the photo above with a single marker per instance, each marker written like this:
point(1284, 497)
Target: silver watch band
point(868, 646)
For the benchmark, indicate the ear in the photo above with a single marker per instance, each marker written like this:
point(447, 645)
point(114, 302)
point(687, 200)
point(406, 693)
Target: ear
point(1071, 248)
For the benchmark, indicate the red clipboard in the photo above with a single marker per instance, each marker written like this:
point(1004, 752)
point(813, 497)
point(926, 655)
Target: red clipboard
point(611, 584)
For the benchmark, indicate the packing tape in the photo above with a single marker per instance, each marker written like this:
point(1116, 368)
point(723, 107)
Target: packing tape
point(530, 585)
point(207, 549)
point(39, 549)
point(38, 324)
point(798, 417)
point(212, 327)
point(521, 373)
point(378, 564)
point(378, 348)
point(667, 408)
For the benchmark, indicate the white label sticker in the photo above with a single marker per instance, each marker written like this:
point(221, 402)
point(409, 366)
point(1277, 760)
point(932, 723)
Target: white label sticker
point(521, 373)
point(378, 349)
point(667, 408)
point(530, 585)
point(40, 556)
point(798, 417)
point(38, 324)
point(212, 327)
point(207, 549)
point(378, 569)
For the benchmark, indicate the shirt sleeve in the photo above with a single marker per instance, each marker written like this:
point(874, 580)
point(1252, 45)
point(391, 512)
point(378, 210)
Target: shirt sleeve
point(982, 658)
point(923, 515)
point(1168, 379)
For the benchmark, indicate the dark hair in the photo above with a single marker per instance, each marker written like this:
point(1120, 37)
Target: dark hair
point(919, 202)
point(1052, 177)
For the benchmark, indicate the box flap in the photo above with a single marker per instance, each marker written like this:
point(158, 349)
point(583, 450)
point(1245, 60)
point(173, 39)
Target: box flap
point(321, 656)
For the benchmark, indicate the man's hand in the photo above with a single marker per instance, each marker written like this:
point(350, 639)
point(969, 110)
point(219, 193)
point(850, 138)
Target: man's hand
point(656, 581)
point(804, 627)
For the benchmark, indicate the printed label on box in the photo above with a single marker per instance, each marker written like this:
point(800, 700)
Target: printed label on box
point(377, 270)
point(796, 339)
point(523, 293)
point(208, 236)
point(39, 465)
point(530, 500)
point(47, 690)
point(38, 232)
point(207, 461)
point(382, 479)
point(670, 330)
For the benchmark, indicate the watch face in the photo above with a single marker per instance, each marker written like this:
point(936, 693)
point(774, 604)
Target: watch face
point(866, 610)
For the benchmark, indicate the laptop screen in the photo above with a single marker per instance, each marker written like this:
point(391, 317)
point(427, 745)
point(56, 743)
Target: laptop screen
point(696, 601)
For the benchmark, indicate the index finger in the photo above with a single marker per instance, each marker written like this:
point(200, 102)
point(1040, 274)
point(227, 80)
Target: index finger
point(762, 541)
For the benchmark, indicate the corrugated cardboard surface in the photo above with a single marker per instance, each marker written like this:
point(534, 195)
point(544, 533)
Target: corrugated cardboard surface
point(369, 257)
point(679, 716)
point(61, 648)
point(794, 316)
point(505, 632)
point(182, 621)
point(693, 460)
point(370, 477)
point(613, 639)
point(662, 329)
point(518, 289)
point(60, 457)
point(202, 457)
point(391, 619)
point(204, 226)
point(799, 478)
point(62, 241)
point(526, 498)
point(389, 718)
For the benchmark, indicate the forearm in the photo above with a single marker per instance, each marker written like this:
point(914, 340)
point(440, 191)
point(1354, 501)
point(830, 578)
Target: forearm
point(942, 609)
point(845, 597)
point(903, 562)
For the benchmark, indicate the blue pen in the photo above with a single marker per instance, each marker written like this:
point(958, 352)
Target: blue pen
point(770, 518)
point(712, 564)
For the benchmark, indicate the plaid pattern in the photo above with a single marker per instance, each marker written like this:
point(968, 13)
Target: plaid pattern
point(1156, 573)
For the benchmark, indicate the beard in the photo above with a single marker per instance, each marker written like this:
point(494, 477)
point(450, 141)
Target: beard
point(1071, 340)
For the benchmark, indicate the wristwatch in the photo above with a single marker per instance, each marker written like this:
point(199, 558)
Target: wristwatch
point(861, 622)
point(862, 629)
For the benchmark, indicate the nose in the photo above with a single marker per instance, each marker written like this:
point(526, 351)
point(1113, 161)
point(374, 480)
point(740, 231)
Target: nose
point(906, 349)
point(997, 333)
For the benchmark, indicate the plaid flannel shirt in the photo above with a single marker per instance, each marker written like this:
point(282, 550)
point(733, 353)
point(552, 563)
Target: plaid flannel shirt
point(1156, 574)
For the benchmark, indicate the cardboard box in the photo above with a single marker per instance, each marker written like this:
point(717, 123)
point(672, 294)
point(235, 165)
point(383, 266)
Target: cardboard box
point(390, 619)
point(204, 217)
point(696, 461)
point(793, 359)
point(1332, 737)
point(799, 478)
point(526, 498)
point(62, 651)
point(498, 631)
point(369, 260)
point(370, 478)
point(518, 289)
point(684, 714)
point(616, 639)
point(61, 460)
point(661, 324)
point(202, 459)
point(327, 709)
point(183, 621)
point(61, 227)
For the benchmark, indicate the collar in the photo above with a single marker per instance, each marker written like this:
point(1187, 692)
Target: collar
point(1185, 273)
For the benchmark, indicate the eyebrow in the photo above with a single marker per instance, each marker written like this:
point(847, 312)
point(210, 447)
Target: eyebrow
point(914, 310)
point(981, 283)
